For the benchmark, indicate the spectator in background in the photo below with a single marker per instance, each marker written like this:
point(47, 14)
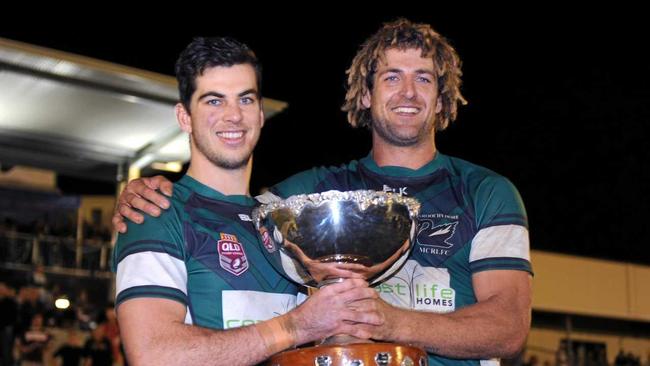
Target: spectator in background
point(8, 315)
point(84, 310)
point(112, 332)
point(98, 351)
point(39, 278)
point(71, 352)
point(29, 305)
point(33, 342)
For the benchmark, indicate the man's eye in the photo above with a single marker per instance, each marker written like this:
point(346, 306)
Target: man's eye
point(214, 102)
point(247, 100)
point(424, 79)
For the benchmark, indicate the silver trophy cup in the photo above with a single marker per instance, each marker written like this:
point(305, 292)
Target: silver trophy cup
point(321, 238)
point(324, 237)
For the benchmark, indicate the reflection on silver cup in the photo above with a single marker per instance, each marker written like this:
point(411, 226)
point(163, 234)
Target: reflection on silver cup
point(319, 238)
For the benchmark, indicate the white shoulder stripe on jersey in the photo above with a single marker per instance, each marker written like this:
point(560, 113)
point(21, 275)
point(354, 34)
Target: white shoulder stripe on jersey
point(492, 362)
point(151, 268)
point(501, 241)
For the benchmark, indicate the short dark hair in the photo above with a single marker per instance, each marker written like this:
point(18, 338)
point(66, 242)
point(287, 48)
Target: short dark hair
point(206, 52)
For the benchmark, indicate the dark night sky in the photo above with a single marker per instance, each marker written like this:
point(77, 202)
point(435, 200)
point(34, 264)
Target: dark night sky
point(559, 104)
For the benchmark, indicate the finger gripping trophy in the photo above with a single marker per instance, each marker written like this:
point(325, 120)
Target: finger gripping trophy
point(322, 238)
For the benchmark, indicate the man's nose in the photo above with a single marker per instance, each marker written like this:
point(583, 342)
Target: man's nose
point(408, 89)
point(233, 113)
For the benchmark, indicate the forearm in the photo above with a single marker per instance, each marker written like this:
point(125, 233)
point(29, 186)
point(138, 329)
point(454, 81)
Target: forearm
point(488, 329)
point(153, 332)
point(180, 344)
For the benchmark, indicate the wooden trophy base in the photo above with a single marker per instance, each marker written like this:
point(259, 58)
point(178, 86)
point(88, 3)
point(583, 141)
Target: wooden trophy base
point(358, 354)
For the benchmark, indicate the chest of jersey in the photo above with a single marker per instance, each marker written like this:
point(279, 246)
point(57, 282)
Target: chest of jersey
point(229, 282)
point(436, 276)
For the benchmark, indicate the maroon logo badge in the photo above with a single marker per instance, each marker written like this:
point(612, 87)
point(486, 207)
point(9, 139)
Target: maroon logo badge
point(232, 257)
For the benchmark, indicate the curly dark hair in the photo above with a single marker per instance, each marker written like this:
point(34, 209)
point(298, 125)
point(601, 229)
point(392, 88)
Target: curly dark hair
point(402, 34)
point(205, 52)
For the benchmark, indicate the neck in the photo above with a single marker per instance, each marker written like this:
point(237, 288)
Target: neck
point(226, 181)
point(412, 157)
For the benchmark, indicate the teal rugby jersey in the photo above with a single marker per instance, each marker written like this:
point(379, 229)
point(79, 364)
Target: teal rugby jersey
point(202, 252)
point(471, 220)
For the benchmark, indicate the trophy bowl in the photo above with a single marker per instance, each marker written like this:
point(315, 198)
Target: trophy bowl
point(319, 238)
point(322, 238)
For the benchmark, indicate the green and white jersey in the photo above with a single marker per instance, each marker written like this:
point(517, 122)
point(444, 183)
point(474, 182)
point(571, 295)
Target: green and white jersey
point(204, 253)
point(471, 220)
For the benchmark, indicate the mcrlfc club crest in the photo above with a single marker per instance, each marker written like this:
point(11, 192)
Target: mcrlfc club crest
point(232, 257)
point(436, 236)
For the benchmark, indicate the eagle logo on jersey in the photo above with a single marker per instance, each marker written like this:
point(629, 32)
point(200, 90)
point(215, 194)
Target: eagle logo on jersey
point(232, 257)
point(436, 236)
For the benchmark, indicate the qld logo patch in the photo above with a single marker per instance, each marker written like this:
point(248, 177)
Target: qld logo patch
point(232, 257)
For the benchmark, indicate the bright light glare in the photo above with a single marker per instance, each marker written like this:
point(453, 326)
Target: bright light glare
point(62, 303)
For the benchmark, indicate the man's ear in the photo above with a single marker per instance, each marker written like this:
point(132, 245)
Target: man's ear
point(439, 105)
point(366, 99)
point(183, 117)
point(262, 116)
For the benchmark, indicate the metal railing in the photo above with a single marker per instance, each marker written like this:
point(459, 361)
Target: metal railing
point(54, 251)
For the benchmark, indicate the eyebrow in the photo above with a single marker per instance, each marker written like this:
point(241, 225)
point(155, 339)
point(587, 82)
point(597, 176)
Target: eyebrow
point(220, 95)
point(248, 91)
point(399, 71)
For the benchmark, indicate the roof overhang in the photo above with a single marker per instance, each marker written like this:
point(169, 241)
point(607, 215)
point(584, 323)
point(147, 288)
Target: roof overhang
point(85, 117)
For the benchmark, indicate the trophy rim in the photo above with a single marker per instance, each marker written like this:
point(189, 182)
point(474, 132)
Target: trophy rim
point(363, 197)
